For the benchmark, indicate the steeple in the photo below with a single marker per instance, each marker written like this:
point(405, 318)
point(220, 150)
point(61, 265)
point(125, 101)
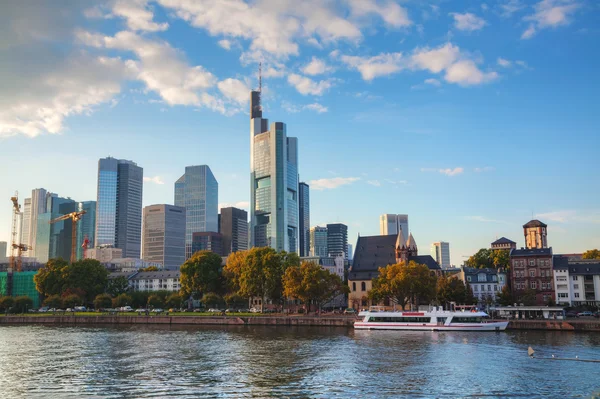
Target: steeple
point(400, 241)
point(412, 246)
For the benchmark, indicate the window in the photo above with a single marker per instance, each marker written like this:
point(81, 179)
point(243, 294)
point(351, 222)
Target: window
point(363, 286)
point(353, 286)
point(577, 295)
point(468, 278)
point(495, 287)
point(532, 262)
point(533, 285)
point(483, 288)
point(494, 278)
point(489, 287)
point(481, 277)
point(564, 295)
point(532, 273)
point(475, 287)
point(575, 286)
point(574, 278)
point(542, 273)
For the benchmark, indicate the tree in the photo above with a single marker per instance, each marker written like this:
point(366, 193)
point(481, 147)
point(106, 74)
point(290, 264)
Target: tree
point(117, 286)
point(139, 299)
point(54, 302)
point(451, 289)
point(505, 297)
point(528, 298)
point(102, 301)
point(201, 273)
point(23, 304)
point(235, 300)
point(310, 283)
point(155, 301)
point(50, 279)
point(500, 258)
point(211, 299)
point(471, 299)
point(87, 275)
point(405, 283)
point(481, 259)
point(174, 300)
point(122, 300)
point(6, 302)
point(72, 300)
point(591, 254)
point(149, 269)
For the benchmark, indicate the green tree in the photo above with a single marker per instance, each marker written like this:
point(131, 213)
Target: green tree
point(117, 286)
point(72, 300)
point(413, 283)
point(210, 299)
point(50, 279)
point(122, 300)
point(23, 304)
point(310, 283)
point(54, 302)
point(155, 301)
point(591, 254)
point(481, 259)
point(470, 299)
point(6, 302)
point(174, 300)
point(528, 297)
point(102, 301)
point(139, 299)
point(500, 258)
point(451, 289)
point(234, 300)
point(87, 275)
point(505, 297)
point(201, 273)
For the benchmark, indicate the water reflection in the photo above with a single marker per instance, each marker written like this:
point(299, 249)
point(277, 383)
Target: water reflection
point(265, 362)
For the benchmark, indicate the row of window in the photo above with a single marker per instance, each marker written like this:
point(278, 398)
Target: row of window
point(533, 286)
point(399, 319)
point(532, 273)
point(532, 262)
point(363, 286)
point(489, 287)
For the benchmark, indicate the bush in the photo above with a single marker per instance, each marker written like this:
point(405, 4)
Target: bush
point(155, 301)
point(23, 304)
point(174, 301)
point(6, 302)
point(139, 299)
point(102, 301)
point(70, 301)
point(54, 301)
point(122, 300)
point(211, 299)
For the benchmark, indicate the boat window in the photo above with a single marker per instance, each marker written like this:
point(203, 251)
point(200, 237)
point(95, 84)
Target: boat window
point(458, 319)
point(381, 319)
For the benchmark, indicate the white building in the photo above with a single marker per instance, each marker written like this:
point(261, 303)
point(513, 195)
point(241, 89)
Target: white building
point(389, 224)
point(440, 251)
point(576, 282)
point(484, 282)
point(104, 254)
point(165, 280)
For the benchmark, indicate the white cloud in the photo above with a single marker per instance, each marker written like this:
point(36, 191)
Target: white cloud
point(239, 204)
point(550, 14)
point(316, 67)
point(485, 169)
point(334, 182)
point(571, 216)
point(447, 171)
point(433, 82)
point(391, 12)
point(273, 72)
point(306, 85)
point(371, 67)
point(510, 7)
point(318, 108)
point(155, 180)
point(235, 90)
point(292, 108)
point(226, 44)
point(504, 62)
point(138, 15)
point(466, 73)
point(375, 183)
point(468, 21)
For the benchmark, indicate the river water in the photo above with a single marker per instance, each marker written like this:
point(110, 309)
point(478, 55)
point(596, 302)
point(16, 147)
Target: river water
point(287, 362)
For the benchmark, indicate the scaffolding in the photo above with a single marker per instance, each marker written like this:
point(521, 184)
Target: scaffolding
point(22, 285)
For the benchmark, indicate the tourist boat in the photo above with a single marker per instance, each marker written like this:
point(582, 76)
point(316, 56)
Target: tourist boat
point(432, 320)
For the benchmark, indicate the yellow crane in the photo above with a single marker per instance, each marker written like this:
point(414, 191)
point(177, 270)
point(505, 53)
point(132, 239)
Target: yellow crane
point(75, 217)
point(15, 221)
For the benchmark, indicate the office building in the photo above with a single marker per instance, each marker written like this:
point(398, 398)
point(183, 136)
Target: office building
point(104, 254)
point(54, 240)
point(274, 182)
point(390, 224)
point(536, 234)
point(233, 225)
point(337, 240)
point(198, 192)
point(119, 205)
point(207, 241)
point(318, 241)
point(25, 225)
point(3, 253)
point(304, 219)
point(86, 227)
point(440, 251)
point(164, 235)
point(350, 253)
point(32, 207)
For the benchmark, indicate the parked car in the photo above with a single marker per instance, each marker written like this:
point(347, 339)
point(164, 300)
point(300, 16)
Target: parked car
point(125, 309)
point(141, 310)
point(44, 309)
point(231, 310)
point(80, 309)
point(157, 310)
point(214, 310)
point(254, 310)
point(244, 310)
point(350, 311)
point(571, 314)
point(585, 314)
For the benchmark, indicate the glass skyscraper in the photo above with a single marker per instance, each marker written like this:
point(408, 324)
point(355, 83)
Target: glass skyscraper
point(86, 226)
point(119, 205)
point(164, 235)
point(54, 240)
point(337, 240)
point(198, 192)
point(304, 227)
point(274, 183)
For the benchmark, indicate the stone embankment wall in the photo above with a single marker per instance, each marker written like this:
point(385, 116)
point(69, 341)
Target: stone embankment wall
point(555, 325)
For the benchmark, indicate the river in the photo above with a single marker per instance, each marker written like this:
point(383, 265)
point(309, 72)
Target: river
point(285, 362)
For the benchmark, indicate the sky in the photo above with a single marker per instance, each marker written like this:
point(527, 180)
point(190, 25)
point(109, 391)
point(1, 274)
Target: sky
point(470, 117)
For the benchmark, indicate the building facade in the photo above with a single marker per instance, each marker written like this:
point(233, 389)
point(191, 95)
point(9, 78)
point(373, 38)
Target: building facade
point(233, 225)
point(531, 273)
point(337, 240)
point(3, 253)
point(440, 251)
point(119, 205)
point(104, 254)
point(165, 280)
point(86, 227)
point(32, 207)
point(164, 235)
point(536, 234)
point(207, 241)
point(576, 281)
point(503, 243)
point(318, 241)
point(304, 219)
point(54, 240)
point(274, 219)
point(390, 224)
point(198, 192)
point(485, 283)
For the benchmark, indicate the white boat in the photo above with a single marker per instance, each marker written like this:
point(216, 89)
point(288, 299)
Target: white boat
point(433, 320)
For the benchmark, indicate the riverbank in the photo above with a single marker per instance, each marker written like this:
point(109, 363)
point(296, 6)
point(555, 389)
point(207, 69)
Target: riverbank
point(589, 325)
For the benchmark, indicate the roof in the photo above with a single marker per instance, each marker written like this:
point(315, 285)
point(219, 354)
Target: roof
point(426, 260)
point(489, 272)
point(531, 252)
point(503, 240)
point(156, 275)
point(534, 223)
point(581, 267)
point(114, 275)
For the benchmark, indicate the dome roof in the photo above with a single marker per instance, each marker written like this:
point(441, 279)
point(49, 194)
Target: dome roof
point(534, 223)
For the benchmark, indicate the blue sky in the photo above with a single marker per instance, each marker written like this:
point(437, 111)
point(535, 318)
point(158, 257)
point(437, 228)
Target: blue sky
point(471, 117)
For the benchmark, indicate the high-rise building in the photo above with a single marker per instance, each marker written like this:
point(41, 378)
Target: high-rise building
point(440, 251)
point(233, 225)
point(389, 224)
point(54, 240)
point(198, 192)
point(25, 225)
point(164, 235)
point(3, 253)
point(86, 227)
point(318, 241)
point(207, 241)
point(304, 218)
point(119, 205)
point(350, 253)
point(274, 182)
point(337, 239)
point(32, 207)
point(536, 234)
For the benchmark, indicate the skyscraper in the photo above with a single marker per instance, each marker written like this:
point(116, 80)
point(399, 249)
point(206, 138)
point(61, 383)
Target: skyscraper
point(233, 225)
point(86, 227)
point(337, 240)
point(164, 235)
point(318, 241)
point(54, 240)
point(440, 251)
point(274, 182)
point(3, 253)
point(304, 219)
point(198, 192)
point(25, 225)
point(208, 241)
point(32, 207)
point(119, 205)
point(390, 223)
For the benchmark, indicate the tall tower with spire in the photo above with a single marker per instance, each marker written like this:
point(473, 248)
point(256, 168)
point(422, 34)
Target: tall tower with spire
point(405, 248)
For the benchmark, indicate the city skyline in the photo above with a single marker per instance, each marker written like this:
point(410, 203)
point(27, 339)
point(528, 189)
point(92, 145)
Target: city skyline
point(521, 119)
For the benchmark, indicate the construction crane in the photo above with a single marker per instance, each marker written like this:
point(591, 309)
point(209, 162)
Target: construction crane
point(13, 244)
point(85, 245)
point(75, 217)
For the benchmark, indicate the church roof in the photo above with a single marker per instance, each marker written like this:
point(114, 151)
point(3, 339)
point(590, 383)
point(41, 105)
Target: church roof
point(534, 223)
point(400, 240)
point(503, 240)
point(411, 243)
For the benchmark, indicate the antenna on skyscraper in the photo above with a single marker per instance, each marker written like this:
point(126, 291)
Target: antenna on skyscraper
point(259, 77)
